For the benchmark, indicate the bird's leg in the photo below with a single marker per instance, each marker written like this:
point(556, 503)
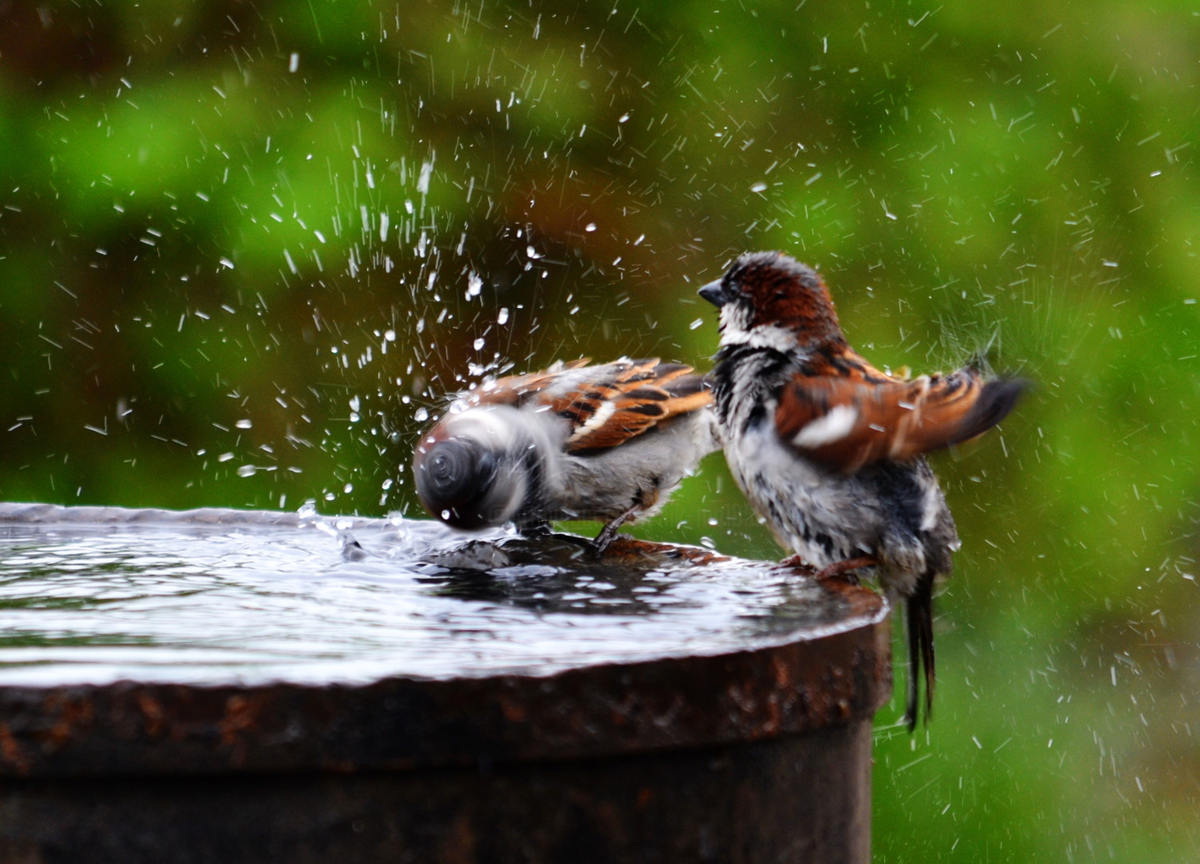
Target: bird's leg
point(840, 568)
point(798, 561)
point(609, 532)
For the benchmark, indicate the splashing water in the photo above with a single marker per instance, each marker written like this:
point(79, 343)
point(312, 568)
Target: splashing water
point(352, 600)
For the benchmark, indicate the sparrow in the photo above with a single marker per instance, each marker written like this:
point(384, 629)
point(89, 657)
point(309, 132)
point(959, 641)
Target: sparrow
point(829, 450)
point(608, 442)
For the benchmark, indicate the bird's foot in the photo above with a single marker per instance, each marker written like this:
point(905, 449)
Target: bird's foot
point(797, 562)
point(844, 569)
point(609, 532)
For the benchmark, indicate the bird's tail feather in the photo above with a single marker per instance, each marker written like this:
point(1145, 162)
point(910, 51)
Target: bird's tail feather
point(919, 609)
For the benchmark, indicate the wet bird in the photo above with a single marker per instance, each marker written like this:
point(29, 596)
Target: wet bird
point(830, 451)
point(607, 442)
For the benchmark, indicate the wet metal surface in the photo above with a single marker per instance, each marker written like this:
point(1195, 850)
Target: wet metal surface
point(221, 641)
point(779, 801)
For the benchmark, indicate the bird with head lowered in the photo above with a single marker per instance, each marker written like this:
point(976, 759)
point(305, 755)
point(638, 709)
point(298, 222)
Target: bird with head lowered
point(607, 442)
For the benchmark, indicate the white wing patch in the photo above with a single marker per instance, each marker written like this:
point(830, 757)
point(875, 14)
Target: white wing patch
point(603, 411)
point(931, 507)
point(825, 430)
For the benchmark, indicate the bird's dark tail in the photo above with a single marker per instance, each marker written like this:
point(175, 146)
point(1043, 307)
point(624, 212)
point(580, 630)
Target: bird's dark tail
point(919, 609)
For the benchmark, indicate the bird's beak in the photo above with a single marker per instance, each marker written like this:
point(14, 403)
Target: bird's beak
point(714, 293)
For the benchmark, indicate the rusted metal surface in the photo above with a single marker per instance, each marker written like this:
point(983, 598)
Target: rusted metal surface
point(789, 799)
point(131, 728)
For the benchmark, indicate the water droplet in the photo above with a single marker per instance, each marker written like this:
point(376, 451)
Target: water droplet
point(247, 470)
point(759, 187)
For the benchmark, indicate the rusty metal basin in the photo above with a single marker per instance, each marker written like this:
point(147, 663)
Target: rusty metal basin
point(231, 686)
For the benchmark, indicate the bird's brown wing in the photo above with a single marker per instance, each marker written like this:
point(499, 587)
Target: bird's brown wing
point(606, 404)
point(516, 390)
point(849, 420)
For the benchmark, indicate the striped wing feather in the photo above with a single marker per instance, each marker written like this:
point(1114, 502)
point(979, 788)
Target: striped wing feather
point(516, 390)
point(850, 421)
point(606, 404)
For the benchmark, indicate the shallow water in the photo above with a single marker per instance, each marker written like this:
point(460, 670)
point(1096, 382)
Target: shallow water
point(163, 598)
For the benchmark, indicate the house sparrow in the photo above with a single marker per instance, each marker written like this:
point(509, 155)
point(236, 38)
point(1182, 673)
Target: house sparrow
point(608, 443)
point(829, 450)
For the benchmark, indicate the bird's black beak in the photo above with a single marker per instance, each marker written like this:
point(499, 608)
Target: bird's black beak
point(714, 293)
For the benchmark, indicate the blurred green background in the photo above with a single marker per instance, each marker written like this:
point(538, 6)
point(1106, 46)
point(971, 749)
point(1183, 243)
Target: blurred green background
point(245, 247)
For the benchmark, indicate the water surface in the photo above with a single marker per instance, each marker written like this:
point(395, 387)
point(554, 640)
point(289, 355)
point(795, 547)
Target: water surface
point(102, 595)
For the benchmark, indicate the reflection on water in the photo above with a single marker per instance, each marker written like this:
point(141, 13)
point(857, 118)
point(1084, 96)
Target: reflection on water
point(317, 601)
